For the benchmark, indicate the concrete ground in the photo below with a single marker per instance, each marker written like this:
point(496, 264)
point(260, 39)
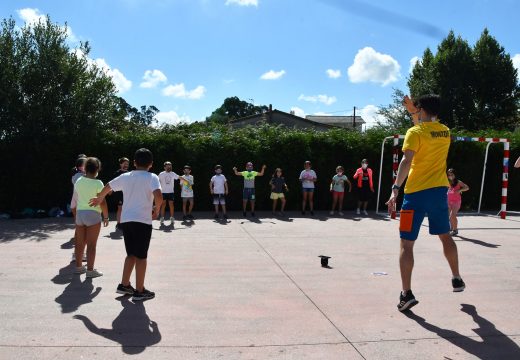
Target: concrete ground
point(255, 290)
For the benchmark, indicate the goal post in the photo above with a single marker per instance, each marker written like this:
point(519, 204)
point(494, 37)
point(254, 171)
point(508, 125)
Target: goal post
point(489, 141)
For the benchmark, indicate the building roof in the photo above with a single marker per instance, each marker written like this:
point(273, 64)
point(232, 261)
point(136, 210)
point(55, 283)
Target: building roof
point(335, 120)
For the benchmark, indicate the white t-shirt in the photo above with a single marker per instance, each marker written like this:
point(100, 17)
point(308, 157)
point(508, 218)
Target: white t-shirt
point(307, 176)
point(137, 187)
point(167, 181)
point(218, 184)
point(187, 186)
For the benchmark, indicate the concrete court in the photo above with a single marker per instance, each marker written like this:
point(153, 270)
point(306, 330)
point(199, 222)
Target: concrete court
point(255, 290)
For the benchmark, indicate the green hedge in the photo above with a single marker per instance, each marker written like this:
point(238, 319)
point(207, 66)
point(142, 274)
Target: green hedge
point(40, 178)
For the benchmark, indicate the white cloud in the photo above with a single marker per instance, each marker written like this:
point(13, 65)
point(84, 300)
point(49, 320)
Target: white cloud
point(297, 111)
point(179, 91)
point(516, 63)
point(370, 65)
point(333, 74)
point(121, 83)
point(152, 78)
point(413, 61)
point(325, 99)
point(32, 16)
point(171, 118)
point(272, 75)
point(369, 114)
point(242, 2)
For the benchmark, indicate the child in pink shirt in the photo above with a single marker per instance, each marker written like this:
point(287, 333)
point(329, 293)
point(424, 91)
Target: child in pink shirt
point(454, 199)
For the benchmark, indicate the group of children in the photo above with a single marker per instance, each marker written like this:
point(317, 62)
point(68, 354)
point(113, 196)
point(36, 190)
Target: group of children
point(142, 196)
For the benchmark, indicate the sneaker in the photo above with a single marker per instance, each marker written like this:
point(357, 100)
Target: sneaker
point(341, 213)
point(458, 285)
point(93, 274)
point(185, 217)
point(406, 302)
point(365, 212)
point(125, 290)
point(216, 216)
point(172, 223)
point(191, 217)
point(331, 213)
point(144, 295)
point(358, 212)
point(225, 216)
point(253, 214)
point(80, 270)
point(162, 221)
point(454, 232)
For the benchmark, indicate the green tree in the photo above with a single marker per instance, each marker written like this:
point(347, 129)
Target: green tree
point(54, 104)
point(478, 86)
point(234, 108)
point(497, 90)
point(396, 117)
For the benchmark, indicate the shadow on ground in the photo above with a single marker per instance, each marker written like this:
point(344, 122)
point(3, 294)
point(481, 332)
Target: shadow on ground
point(493, 344)
point(132, 328)
point(33, 229)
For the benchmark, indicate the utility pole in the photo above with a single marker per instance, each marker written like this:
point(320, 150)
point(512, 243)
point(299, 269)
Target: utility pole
point(354, 119)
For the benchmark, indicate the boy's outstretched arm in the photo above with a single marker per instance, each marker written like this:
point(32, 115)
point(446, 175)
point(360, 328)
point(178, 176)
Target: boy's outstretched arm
point(101, 196)
point(261, 173)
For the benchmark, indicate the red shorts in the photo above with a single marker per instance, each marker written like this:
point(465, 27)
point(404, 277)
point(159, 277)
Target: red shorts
point(337, 194)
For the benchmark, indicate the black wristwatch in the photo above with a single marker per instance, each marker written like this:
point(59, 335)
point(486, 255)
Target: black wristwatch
point(396, 187)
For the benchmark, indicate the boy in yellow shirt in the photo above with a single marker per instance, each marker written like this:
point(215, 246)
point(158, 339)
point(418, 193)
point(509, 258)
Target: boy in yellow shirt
point(425, 149)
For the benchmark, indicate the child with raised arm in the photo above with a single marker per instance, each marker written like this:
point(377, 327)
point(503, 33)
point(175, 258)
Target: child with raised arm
point(187, 183)
point(88, 219)
point(456, 188)
point(249, 186)
point(337, 187)
point(308, 178)
point(278, 185)
point(140, 189)
point(218, 187)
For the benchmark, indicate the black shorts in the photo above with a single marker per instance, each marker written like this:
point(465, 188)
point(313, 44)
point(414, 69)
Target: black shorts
point(364, 193)
point(137, 237)
point(167, 196)
point(117, 197)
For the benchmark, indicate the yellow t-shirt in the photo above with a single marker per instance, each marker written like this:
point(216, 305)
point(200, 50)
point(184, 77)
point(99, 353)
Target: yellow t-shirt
point(430, 141)
point(86, 189)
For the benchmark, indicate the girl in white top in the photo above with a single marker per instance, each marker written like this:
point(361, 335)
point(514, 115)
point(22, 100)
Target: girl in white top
point(308, 177)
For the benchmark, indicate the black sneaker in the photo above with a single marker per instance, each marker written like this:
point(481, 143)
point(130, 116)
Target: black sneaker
point(458, 285)
point(253, 214)
point(191, 217)
point(225, 216)
point(216, 216)
point(406, 302)
point(125, 290)
point(144, 295)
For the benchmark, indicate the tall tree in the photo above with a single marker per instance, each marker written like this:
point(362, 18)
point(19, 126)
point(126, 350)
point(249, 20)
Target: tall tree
point(497, 90)
point(395, 115)
point(234, 108)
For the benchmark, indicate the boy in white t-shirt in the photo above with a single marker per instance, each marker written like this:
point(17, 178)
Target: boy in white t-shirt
point(187, 183)
point(167, 179)
point(218, 187)
point(140, 189)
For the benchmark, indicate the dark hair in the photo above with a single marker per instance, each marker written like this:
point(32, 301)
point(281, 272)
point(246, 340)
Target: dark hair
point(93, 165)
point(143, 157)
point(431, 103)
point(455, 180)
point(218, 167)
point(122, 160)
point(364, 161)
point(187, 167)
point(340, 167)
point(82, 156)
point(81, 162)
point(276, 171)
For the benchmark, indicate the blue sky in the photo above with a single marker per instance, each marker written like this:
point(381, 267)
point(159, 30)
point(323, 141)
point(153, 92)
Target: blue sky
point(311, 56)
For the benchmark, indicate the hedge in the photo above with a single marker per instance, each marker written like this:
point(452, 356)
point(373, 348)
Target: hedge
point(40, 178)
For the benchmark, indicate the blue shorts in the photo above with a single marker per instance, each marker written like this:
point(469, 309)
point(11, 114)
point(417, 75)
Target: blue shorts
point(248, 194)
point(307, 189)
point(432, 202)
